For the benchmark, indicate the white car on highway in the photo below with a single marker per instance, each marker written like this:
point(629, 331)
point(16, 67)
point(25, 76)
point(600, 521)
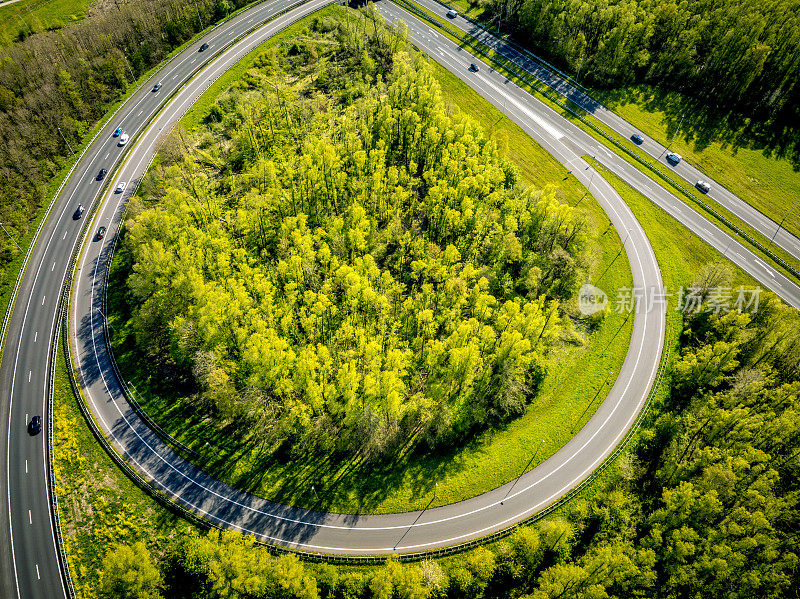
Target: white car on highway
point(123, 139)
point(120, 187)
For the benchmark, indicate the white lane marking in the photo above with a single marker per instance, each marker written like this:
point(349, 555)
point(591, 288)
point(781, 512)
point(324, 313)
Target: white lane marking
point(44, 297)
point(140, 113)
point(26, 418)
point(26, 466)
point(30, 517)
point(461, 515)
point(37, 573)
point(106, 158)
point(65, 235)
point(30, 372)
point(193, 61)
point(531, 115)
point(52, 268)
point(765, 267)
point(35, 336)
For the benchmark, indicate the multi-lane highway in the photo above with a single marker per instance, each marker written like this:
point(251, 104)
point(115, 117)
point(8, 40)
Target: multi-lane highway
point(549, 128)
point(28, 563)
point(364, 534)
point(683, 170)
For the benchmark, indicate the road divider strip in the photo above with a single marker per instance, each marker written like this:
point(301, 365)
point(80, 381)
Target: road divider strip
point(507, 66)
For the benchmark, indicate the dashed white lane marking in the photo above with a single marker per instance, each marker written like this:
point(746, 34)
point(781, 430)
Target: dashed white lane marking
point(30, 517)
point(106, 158)
point(193, 61)
point(765, 267)
point(531, 115)
point(26, 466)
point(37, 573)
point(30, 372)
point(44, 297)
point(35, 336)
point(65, 235)
point(52, 268)
point(140, 113)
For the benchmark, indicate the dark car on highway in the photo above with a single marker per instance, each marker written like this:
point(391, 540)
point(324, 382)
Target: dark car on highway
point(101, 232)
point(703, 186)
point(637, 139)
point(473, 67)
point(203, 47)
point(102, 174)
point(78, 212)
point(157, 86)
point(673, 158)
point(35, 425)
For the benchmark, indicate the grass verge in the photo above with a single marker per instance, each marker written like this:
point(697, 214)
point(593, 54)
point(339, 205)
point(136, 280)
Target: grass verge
point(408, 481)
point(99, 505)
point(616, 142)
point(767, 183)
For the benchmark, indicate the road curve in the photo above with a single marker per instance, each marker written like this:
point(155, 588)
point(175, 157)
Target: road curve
point(29, 562)
point(552, 130)
point(340, 533)
point(685, 170)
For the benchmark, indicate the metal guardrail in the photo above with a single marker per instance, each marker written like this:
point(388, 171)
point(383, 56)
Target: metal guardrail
point(523, 75)
point(176, 445)
point(149, 486)
point(63, 317)
point(182, 449)
point(51, 482)
point(522, 50)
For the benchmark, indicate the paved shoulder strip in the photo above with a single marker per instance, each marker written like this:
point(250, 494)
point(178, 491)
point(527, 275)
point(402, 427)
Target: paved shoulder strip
point(343, 534)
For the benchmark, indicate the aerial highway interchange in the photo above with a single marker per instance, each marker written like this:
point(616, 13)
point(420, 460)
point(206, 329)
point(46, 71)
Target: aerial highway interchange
point(30, 562)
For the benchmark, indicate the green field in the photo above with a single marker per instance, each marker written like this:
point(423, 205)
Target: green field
point(768, 183)
point(681, 254)
point(32, 16)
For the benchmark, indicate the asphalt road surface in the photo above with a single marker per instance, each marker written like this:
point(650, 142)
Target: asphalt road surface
point(29, 565)
point(683, 170)
point(552, 130)
point(338, 533)
point(29, 562)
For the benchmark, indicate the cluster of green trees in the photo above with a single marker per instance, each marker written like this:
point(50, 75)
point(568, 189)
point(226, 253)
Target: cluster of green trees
point(348, 269)
point(55, 85)
point(735, 55)
point(704, 504)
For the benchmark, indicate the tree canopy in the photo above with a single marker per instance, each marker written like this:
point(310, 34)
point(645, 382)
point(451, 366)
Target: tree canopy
point(341, 263)
point(731, 55)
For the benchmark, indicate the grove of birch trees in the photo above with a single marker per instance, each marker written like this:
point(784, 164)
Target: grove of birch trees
point(343, 265)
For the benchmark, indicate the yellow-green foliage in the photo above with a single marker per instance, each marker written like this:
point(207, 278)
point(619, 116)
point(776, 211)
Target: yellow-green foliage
point(366, 268)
